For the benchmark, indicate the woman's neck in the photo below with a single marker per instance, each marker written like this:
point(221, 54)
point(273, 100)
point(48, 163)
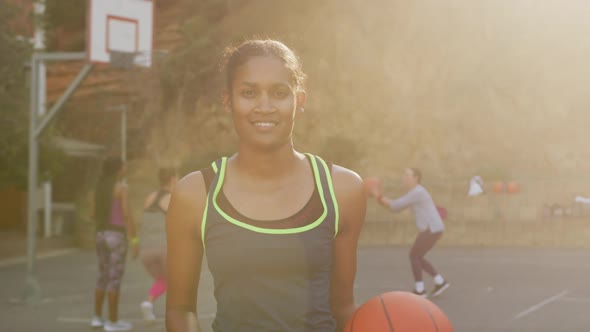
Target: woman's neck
point(267, 163)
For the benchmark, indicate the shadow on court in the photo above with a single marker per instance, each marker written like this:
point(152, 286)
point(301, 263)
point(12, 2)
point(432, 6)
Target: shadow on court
point(520, 290)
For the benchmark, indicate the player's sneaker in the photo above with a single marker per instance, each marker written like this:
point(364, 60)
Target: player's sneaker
point(117, 326)
point(439, 289)
point(147, 309)
point(96, 322)
point(422, 293)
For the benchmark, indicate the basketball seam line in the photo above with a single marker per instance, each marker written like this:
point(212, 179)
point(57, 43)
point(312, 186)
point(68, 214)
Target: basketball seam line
point(386, 314)
point(429, 313)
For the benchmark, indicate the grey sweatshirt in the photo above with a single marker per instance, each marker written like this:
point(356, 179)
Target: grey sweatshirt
point(425, 212)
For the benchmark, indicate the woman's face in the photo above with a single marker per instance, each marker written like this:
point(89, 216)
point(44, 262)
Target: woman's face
point(264, 103)
point(410, 180)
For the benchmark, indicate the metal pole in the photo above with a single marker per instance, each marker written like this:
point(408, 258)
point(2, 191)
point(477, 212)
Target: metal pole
point(32, 290)
point(124, 134)
point(123, 109)
point(124, 137)
point(61, 56)
point(62, 100)
point(47, 208)
point(41, 87)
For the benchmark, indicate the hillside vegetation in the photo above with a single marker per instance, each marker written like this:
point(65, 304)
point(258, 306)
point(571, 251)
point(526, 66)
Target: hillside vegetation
point(455, 87)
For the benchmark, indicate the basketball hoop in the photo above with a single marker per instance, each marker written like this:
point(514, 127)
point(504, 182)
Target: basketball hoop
point(123, 60)
point(120, 32)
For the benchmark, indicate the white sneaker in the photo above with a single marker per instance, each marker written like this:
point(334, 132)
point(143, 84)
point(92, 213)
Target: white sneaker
point(439, 289)
point(117, 326)
point(96, 322)
point(422, 293)
point(147, 309)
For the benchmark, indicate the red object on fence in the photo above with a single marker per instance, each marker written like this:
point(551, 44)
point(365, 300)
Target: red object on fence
point(512, 187)
point(498, 187)
point(442, 212)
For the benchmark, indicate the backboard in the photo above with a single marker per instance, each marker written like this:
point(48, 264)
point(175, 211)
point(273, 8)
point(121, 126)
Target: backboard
point(120, 26)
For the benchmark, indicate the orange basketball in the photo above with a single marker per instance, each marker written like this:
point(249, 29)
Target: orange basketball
point(399, 312)
point(498, 187)
point(512, 187)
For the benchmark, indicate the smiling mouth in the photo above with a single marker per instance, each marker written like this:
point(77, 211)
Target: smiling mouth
point(264, 124)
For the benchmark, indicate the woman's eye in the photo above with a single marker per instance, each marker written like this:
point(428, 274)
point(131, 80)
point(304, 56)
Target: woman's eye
point(248, 93)
point(281, 94)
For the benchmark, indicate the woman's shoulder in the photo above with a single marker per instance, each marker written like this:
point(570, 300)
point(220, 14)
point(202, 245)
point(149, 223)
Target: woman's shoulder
point(196, 183)
point(351, 196)
point(188, 199)
point(192, 184)
point(346, 181)
point(421, 192)
point(421, 189)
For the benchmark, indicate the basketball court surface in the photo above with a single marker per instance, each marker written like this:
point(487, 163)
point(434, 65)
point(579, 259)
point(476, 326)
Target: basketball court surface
point(520, 290)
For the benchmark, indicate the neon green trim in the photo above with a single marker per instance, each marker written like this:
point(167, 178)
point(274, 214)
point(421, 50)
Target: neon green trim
point(333, 195)
point(268, 230)
point(204, 222)
point(204, 218)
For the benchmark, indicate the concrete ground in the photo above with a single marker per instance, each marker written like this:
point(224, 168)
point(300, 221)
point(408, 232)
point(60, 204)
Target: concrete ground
point(13, 245)
point(520, 290)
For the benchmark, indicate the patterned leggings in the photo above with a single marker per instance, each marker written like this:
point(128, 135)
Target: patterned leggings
point(111, 248)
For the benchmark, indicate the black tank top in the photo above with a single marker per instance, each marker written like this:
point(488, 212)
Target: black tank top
point(271, 276)
point(155, 206)
point(153, 227)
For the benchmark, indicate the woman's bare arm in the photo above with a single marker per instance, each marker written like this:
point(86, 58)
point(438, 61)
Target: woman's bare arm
point(352, 202)
point(184, 253)
point(149, 200)
point(164, 202)
point(397, 205)
point(126, 209)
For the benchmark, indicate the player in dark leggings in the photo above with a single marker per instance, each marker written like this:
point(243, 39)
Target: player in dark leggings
point(430, 229)
point(279, 228)
point(113, 224)
point(153, 239)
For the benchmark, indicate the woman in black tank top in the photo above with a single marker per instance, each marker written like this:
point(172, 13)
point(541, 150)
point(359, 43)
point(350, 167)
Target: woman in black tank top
point(279, 228)
point(153, 239)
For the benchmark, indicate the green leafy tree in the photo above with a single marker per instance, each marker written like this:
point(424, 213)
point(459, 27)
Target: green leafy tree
point(188, 73)
point(14, 107)
point(65, 22)
point(13, 101)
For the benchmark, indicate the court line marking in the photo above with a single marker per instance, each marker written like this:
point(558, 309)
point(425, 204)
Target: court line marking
point(541, 305)
point(86, 320)
point(574, 299)
point(50, 254)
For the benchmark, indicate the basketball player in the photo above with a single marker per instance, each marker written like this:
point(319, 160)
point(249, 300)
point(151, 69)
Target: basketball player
point(279, 228)
point(153, 239)
point(114, 223)
point(430, 229)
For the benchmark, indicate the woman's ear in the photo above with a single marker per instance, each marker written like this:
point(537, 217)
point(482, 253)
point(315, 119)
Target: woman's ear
point(301, 98)
point(226, 99)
